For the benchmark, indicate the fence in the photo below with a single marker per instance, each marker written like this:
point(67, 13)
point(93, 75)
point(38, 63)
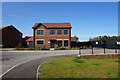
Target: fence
point(98, 51)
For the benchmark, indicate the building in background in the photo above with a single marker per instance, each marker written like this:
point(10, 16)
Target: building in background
point(52, 35)
point(73, 42)
point(11, 37)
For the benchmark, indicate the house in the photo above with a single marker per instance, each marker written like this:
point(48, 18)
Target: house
point(11, 37)
point(28, 41)
point(73, 42)
point(52, 35)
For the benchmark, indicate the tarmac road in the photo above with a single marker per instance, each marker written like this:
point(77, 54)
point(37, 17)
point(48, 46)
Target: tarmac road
point(29, 69)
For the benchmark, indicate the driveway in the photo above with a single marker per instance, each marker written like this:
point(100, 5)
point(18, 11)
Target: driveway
point(24, 64)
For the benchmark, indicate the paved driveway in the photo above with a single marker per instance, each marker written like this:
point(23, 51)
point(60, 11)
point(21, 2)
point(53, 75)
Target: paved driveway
point(11, 59)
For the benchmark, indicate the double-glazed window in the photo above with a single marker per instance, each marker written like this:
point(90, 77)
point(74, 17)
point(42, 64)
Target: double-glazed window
point(65, 43)
point(65, 32)
point(52, 32)
point(59, 32)
point(40, 32)
point(40, 42)
point(60, 43)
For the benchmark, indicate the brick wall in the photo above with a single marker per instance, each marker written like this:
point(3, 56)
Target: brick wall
point(101, 56)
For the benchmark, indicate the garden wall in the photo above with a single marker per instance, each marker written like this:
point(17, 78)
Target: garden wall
point(101, 56)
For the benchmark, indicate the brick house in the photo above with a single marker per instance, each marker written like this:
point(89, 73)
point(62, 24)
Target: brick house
point(52, 35)
point(11, 37)
point(27, 41)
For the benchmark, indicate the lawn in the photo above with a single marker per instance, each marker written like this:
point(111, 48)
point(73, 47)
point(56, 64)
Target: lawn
point(74, 67)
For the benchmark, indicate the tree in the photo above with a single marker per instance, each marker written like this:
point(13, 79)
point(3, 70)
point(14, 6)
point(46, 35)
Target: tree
point(76, 38)
point(90, 39)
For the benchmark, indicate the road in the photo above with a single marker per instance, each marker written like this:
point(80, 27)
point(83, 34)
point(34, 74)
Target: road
point(24, 64)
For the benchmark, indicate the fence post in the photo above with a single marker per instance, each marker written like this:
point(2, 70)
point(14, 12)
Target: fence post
point(115, 50)
point(92, 49)
point(79, 51)
point(104, 50)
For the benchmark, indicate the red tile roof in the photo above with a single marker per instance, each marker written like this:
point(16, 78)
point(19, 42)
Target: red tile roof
point(72, 39)
point(30, 38)
point(54, 25)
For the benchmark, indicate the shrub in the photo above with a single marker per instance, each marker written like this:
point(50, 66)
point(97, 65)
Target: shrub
point(75, 47)
point(90, 47)
point(84, 47)
point(38, 48)
point(57, 47)
point(81, 47)
point(45, 48)
point(31, 48)
point(69, 48)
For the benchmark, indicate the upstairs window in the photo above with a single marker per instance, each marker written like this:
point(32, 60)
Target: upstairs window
point(40, 42)
point(65, 32)
point(59, 32)
point(52, 32)
point(40, 32)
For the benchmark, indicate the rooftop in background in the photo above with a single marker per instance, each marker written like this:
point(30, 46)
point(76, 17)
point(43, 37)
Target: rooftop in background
point(9, 26)
point(29, 38)
point(54, 25)
point(72, 39)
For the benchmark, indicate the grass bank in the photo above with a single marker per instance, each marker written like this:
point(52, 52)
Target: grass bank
point(74, 67)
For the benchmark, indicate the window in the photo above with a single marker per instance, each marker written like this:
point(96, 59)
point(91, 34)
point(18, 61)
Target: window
point(65, 42)
point(60, 43)
point(52, 32)
point(40, 32)
point(40, 42)
point(59, 32)
point(65, 32)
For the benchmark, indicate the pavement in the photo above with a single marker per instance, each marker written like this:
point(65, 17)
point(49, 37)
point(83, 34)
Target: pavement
point(24, 64)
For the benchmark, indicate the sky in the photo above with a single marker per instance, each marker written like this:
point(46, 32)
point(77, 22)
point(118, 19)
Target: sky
point(88, 19)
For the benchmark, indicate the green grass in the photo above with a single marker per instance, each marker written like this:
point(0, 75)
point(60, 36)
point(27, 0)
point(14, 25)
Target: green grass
point(74, 67)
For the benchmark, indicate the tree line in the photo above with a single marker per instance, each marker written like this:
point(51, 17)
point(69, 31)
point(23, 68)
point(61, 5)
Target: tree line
point(105, 37)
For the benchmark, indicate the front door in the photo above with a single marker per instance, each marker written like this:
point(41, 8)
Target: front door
point(52, 44)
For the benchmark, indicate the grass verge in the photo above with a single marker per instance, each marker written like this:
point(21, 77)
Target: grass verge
point(74, 67)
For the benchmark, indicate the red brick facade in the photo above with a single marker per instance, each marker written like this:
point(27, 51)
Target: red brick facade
point(47, 37)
